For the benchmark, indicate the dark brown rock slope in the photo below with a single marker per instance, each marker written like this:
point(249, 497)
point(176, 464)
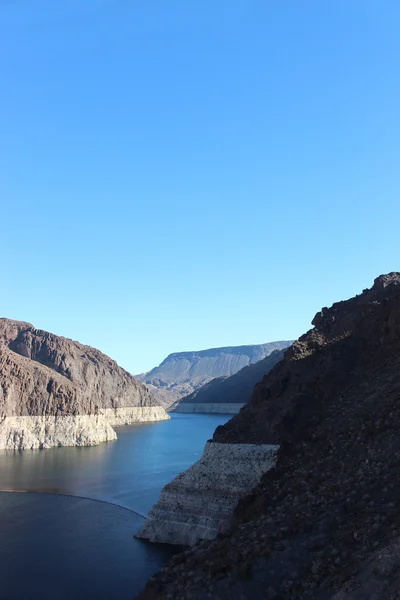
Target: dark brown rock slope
point(77, 379)
point(29, 388)
point(54, 391)
point(325, 522)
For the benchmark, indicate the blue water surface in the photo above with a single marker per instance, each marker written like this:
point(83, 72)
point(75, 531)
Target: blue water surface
point(61, 547)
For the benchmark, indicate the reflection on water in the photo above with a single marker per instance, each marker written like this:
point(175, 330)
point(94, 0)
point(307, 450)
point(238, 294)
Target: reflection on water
point(129, 471)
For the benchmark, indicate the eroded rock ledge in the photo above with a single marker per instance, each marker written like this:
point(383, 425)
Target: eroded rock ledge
point(46, 431)
point(57, 392)
point(129, 415)
point(26, 433)
point(199, 503)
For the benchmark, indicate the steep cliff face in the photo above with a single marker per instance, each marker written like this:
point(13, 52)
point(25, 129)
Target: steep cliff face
point(200, 502)
point(43, 375)
point(347, 341)
point(323, 522)
point(182, 373)
point(228, 394)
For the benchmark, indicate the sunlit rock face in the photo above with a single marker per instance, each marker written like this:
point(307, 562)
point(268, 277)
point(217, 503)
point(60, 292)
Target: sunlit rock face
point(199, 503)
point(44, 375)
point(28, 433)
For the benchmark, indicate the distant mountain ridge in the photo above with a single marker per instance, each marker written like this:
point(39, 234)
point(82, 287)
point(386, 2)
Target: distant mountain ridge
point(182, 373)
point(228, 394)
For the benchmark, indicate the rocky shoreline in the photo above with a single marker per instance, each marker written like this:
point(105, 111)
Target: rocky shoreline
point(58, 392)
point(47, 431)
point(323, 523)
point(129, 415)
point(31, 432)
point(199, 503)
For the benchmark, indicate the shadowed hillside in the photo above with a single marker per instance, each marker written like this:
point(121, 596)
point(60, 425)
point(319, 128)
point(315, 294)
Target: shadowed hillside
point(323, 524)
point(182, 373)
point(235, 389)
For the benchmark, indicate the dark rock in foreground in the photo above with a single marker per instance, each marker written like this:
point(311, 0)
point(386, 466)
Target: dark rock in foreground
point(324, 523)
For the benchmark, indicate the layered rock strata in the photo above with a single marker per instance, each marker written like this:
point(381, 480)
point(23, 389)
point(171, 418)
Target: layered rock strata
point(28, 433)
point(324, 522)
point(199, 503)
point(56, 392)
point(117, 417)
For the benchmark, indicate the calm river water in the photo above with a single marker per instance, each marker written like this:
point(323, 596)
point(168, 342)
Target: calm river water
point(55, 547)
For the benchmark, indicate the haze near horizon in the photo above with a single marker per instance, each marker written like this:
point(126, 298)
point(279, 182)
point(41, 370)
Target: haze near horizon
point(182, 176)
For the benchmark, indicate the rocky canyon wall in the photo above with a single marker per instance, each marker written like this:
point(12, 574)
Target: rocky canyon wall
point(323, 523)
point(199, 503)
point(57, 392)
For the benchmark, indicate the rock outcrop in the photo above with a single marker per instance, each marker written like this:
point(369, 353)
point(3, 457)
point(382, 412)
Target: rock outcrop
point(182, 373)
point(228, 394)
point(54, 391)
point(199, 503)
point(323, 523)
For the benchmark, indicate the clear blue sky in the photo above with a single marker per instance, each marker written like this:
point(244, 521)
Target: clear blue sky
point(188, 174)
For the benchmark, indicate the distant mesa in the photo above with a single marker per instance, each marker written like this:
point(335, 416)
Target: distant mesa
point(57, 392)
point(227, 395)
point(183, 373)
